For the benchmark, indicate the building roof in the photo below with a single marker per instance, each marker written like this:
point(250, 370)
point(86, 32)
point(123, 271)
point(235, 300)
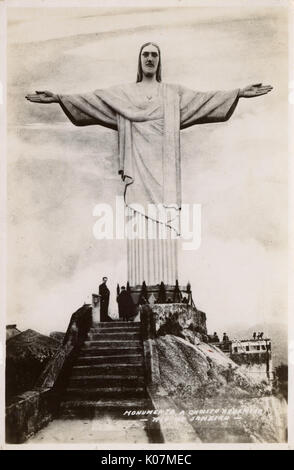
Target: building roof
point(11, 331)
point(31, 343)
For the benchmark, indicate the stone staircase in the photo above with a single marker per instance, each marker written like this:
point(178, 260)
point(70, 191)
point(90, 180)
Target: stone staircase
point(108, 374)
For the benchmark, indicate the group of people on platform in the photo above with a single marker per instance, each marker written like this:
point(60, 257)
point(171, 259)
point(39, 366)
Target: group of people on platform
point(258, 335)
point(126, 306)
point(215, 338)
point(124, 300)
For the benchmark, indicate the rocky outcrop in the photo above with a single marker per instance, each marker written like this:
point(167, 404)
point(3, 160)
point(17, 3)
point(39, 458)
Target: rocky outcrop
point(219, 399)
point(200, 369)
point(181, 320)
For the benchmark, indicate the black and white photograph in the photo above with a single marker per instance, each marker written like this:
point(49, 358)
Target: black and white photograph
point(147, 223)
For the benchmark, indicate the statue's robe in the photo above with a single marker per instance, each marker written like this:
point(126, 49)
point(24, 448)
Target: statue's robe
point(149, 137)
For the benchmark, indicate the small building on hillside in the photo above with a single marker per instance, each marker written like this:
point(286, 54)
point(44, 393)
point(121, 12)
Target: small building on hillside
point(252, 355)
point(26, 355)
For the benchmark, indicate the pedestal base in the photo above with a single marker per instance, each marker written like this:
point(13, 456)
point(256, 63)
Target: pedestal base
point(153, 293)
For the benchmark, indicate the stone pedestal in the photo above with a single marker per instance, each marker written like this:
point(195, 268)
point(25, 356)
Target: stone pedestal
point(96, 308)
point(153, 254)
point(153, 293)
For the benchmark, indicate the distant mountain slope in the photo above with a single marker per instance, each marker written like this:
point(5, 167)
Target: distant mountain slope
point(58, 335)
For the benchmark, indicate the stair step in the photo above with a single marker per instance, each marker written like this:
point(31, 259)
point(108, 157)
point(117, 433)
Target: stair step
point(110, 351)
point(100, 392)
point(114, 343)
point(124, 335)
point(106, 381)
point(110, 359)
point(114, 330)
point(123, 403)
point(114, 324)
point(92, 408)
point(111, 369)
point(108, 375)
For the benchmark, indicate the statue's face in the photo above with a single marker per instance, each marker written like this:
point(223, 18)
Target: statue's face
point(149, 60)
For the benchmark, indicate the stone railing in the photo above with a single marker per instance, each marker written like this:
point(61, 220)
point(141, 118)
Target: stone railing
point(78, 328)
point(31, 411)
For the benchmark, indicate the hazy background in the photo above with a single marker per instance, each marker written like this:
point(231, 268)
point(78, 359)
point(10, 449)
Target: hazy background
point(57, 172)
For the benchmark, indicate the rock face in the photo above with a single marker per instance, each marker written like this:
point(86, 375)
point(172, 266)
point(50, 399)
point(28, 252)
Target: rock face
point(227, 405)
point(181, 320)
point(201, 368)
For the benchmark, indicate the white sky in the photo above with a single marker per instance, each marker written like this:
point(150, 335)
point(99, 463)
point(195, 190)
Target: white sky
point(57, 173)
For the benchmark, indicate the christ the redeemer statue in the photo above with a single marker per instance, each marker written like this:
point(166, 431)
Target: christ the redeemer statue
point(148, 116)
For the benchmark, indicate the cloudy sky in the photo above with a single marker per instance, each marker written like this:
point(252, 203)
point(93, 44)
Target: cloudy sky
point(236, 170)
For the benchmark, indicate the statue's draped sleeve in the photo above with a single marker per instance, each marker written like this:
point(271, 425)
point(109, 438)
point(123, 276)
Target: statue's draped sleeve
point(88, 109)
point(204, 107)
point(102, 107)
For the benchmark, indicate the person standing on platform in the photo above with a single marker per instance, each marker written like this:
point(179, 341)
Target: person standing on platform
point(225, 338)
point(125, 304)
point(104, 301)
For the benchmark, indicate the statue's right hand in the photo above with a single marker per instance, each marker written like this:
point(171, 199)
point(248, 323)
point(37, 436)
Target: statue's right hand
point(42, 97)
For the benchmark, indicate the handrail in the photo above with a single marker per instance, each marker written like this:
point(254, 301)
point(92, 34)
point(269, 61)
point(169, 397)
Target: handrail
point(78, 328)
point(79, 325)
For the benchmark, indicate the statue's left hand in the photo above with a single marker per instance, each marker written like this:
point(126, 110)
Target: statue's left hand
point(252, 91)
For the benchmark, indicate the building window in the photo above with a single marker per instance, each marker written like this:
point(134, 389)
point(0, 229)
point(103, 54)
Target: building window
point(263, 346)
point(247, 348)
point(258, 348)
point(235, 349)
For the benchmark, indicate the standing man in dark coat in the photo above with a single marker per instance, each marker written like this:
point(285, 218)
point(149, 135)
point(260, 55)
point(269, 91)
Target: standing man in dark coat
point(104, 301)
point(125, 304)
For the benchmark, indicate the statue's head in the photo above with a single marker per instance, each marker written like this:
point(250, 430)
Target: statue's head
point(149, 61)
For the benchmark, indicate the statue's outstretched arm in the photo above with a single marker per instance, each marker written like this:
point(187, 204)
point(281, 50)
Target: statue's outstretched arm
point(216, 106)
point(81, 109)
